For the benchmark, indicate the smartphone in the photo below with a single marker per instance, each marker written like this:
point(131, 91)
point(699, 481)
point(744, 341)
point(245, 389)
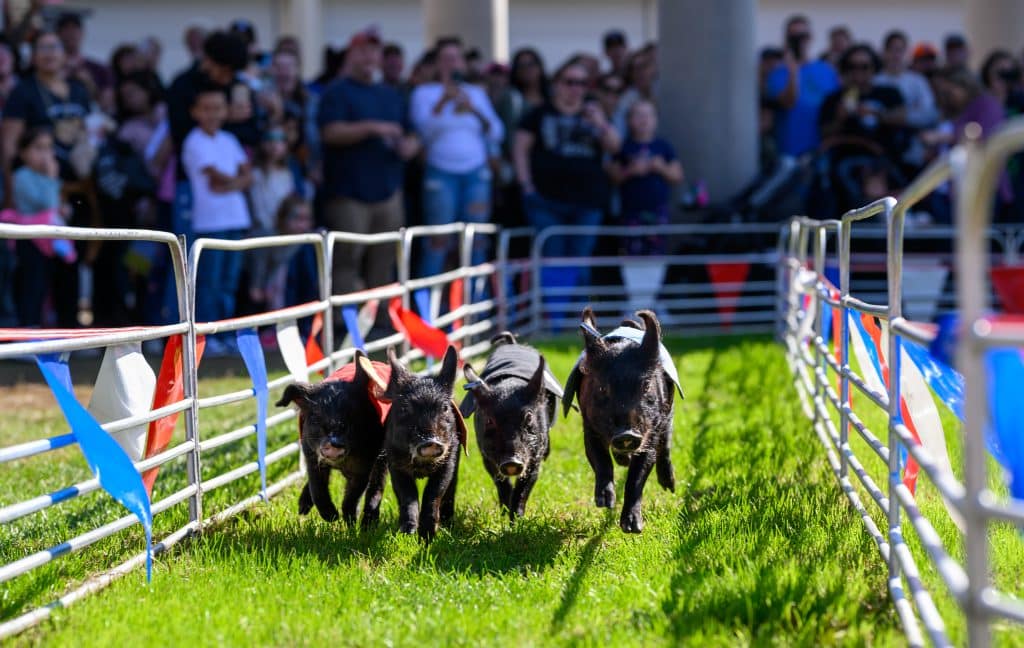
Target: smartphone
point(795, 44)
point(458, 76)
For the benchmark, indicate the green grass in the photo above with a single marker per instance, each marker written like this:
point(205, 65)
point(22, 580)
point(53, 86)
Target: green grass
point(758, 545)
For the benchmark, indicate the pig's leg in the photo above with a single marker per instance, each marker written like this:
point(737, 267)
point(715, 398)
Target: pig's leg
point(407, 495)
point(604, 475)
point(433, 493)
point(521, 493)
point(632, 521)
point(448, 501)
point(355, 486)
point(319, 478)
point(305, 500)
point(501, 483)
point(663, 466)
point(374, 492)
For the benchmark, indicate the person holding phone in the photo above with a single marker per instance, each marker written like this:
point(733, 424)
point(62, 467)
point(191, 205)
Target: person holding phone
point(559, 154)
point(799, 87)
point(458, 127)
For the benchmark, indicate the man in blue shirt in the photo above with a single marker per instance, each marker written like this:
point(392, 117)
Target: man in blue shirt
point(366, 141)
point(799, 87)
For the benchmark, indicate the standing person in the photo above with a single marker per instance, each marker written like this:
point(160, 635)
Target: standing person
point(193, 38)
point(363, 127)
point(218, 171)
point(641, 76)
point(392, 66)
point(799, 87)
point(957, 53)
point(921, 111)
point(645, 169)
point(459, 128)
point(8, 72)
point(95, 75)
point(616, 50)
point(839, 40)
point(37, 196)
point(50, 99)
point(559, 153)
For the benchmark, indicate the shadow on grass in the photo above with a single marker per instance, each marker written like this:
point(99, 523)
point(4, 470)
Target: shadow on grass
point(586, 560)
point(774, 554)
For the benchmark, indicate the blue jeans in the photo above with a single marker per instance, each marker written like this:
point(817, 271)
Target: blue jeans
point(450, 198)
point(217, 279)
point(542, 213)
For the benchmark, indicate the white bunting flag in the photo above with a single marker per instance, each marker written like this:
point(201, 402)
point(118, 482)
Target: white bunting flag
point(124, 387)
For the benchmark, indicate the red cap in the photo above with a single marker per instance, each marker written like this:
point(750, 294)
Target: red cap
point(924, 50)
point(368, 36)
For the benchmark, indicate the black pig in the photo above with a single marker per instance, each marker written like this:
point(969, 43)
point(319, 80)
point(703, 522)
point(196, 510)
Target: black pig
point(515, 400)
point(423, 435)
point(340, 428)
point(625, 383)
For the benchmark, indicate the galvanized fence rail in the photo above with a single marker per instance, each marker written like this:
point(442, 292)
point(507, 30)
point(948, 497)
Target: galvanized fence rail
point(809, 247)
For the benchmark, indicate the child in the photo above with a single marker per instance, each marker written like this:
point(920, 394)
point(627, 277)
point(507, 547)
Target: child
point(218, 172)
point(37, 201)
point(644, 169)
point(295, 216)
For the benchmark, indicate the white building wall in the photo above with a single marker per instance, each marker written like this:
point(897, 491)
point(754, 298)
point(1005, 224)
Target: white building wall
point(558, 28)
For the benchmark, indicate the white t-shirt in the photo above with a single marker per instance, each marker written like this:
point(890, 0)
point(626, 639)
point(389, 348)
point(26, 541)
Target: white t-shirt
point(455, 142)
point(214, 212)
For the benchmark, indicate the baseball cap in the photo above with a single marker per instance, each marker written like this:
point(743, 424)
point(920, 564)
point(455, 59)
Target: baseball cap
point(924, 50)
point(368, 36)
point(614, 37)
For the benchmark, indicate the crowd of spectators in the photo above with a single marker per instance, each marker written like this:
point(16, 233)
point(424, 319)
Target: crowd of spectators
point(238, 144)
point(861, 120)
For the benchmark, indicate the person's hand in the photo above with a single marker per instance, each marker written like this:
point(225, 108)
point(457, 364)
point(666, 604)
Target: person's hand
point(256, 294)
point(593, 114)
point(462, 102)
point(640, 166)
point(51, 166)
point(451, 91)
point(408, 146)
point(386, 130)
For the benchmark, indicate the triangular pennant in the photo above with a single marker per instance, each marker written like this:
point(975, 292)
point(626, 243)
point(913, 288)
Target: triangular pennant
point(726, 281)
point(289, 342)
point(314, 353)
point(170, 388)
point(642, 281)
point(354, 336)
point(431, 341)
point(1008, 282)
point(922, 287)
point(124, 387)
point(364, 324)
point(255, 364)
point(455, 300)
point(107, 461)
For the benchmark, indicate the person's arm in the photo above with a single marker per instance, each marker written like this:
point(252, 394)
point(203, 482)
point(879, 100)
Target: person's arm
point(345, 133)
point(618, 172)
point(921, 109)
point(521, 146)
point(784, 82)
point(480, 106)
point(671, 170)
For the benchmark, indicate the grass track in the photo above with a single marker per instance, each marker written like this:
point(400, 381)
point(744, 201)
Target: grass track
point(757, 546)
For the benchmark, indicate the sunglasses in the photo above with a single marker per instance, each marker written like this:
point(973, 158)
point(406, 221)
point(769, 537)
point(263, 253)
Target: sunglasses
point(859, 67)
point(575, 83)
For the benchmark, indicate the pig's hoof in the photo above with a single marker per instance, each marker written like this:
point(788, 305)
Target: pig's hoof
point(632, 521)
point(668, 482)
point(605, 497)
point(407, 527)
point(329, 515)
point(305, 501)
point(427, 533)
point(369, 521)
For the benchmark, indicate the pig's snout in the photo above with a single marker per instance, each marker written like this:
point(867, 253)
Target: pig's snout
point(512, 468)
point(627, 441)
point(430, 449)
point(333, 448)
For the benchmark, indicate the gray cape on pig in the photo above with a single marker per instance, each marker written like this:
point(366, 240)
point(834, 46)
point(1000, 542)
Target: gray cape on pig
point(636, 335)
point(516, 360)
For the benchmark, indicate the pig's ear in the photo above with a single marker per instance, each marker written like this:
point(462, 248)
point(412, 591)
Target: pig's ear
point(572, 385)
point(460, 425)
point(536, 384)
point(587, 317)
point(299, 393)
point(450, 364)
point(399, 375)
point(375, 385)
point(360, 378)
point(475, 389)
point(650, 347)
point(631, 323)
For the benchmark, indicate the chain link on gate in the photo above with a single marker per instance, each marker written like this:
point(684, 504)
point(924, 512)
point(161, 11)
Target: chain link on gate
point(807, 290)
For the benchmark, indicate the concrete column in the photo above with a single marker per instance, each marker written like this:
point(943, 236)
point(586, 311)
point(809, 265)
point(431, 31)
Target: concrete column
point(707, 90)
point(480, 23)
point(304, 18)
point(994, 24)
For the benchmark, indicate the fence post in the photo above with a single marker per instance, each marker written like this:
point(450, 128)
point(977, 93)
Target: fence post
point(404, 251)
point(501, 290)
point(466, 260)
point(326, 262)
point(190, 377)
point(820, 240)
point(537, 304)
point(844, 347)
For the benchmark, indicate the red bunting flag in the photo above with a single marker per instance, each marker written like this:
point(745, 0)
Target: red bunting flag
point(314, 353)
point(431, 341)
point(455, 301)
point(170, 388)
point(726, 281)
